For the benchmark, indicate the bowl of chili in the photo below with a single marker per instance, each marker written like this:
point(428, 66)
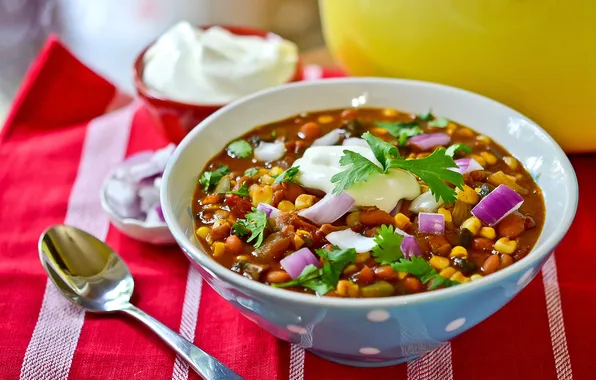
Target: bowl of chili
point(344, 216)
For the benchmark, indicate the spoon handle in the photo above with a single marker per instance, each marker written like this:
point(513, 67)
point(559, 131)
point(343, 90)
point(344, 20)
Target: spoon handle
point(204, 364)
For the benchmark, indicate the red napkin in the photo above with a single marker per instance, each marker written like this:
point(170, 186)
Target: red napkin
point(58, 144)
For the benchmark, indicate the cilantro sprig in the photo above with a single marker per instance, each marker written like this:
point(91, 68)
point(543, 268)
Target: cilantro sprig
point(388, 248)
point(239, 149)
point(402, 130)
point(288, 175)
point(456, 148)
point(441, 122)
point(254, 222)
point(419, 267)
point(211, 178)
point(251, 172)
point(323, 280)
point(241, 192)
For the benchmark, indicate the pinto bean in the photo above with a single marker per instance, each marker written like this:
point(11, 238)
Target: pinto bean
point(511, 226)
point(376, 217)
point(491, 265)
point(482, 244)
point(220, 232)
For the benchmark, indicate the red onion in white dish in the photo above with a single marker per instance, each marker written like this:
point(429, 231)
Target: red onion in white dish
point(329, 209)
point(499, 203)
point(271, 211)
point(429, 140)
point(295, 263)
point(347, 238)
point(431, 223)
point(466, 165)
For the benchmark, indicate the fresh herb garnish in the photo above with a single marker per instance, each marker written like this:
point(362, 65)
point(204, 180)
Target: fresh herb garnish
point(240, 149)
point(388, 248)
point(426, 116)
point(211, 178)
point(256, 223)
point(240, 230)
point(323, 280)
point(241, 192)
point(432, 169)
point(251, 172)
point(402, 130)
point(457, 147)
point(288, 175)
point(419, 267)
point(439, 123)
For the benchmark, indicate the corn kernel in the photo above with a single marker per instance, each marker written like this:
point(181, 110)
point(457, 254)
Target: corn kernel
point(473, 224)
point(218, 249)
point(324, 119)
point(483, 139)
point(519, 176)
point(263, 171)
point(511, 162)
point(304, 233)
point(379, 131)
point(479, 159)
point(267, 179)
point(285, 206)
point(350, 269)
point(465, 132)
point(298, 241)
point(241, 258)
point(504, 245)
point(447, 272)
point(466, 280)
point(262, 195)
point(459, 251)
point(389, 112)
point(402, 275)
point(401, 220)
point(202, 232)
point(458, 276)
point(346, 289)
point(488, 232)
point(409, 158)
point(362, 257)
point(489, 158)
point(451, 127)
point(439, 262)
point(423, 155)
point(476, 277)
point(446, 214)
point(304, 201)
point(478, 190)
point(275, 171)
point(354, 291)
point(467, 195)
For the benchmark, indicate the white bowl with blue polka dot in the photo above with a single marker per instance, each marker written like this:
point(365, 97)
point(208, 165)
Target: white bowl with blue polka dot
point(382, 331)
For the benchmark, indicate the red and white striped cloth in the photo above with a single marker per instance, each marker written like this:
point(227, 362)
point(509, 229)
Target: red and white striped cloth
point(59, 142)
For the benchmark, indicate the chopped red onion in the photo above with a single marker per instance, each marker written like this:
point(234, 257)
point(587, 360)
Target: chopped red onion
point(426, 202)
point(271, 211)
point(431, 223)
point(122, 198)
point(153, 216)
point(330, 138)
point(409, 246)
point(355, 141)
point(329, 209)
point(149, 196)
point(466, 165)
point(295, 263)
point(501, 202)
point(347, 238)
point(267, 151)
point(396, 208)
point(429, 140)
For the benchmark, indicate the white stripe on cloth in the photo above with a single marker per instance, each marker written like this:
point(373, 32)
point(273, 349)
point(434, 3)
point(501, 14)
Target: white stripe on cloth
point(312, 72)
point(435, 365)
point(190, 313)
point(296, 362)
point(555, 319)
point(56, 334)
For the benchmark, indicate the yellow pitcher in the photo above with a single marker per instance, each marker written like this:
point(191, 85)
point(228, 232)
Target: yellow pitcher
point(537, 56)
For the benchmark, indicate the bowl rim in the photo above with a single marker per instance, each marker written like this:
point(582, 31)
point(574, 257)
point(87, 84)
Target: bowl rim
point(202, 258)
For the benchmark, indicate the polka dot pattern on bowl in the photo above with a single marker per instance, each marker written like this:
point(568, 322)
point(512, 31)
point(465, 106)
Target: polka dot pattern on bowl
point(378, 315)
point(455, 324)
point(369, 351)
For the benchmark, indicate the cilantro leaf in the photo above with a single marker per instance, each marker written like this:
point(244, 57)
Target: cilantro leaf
point(438, 280)
point(419, 267)
point(426, 116)
point(388, 248)
point(457, 147)
point(256, 223)
point(240, 149)
point(361, 168)
point(211, 178)
point(240, 230)
point(288, 175)
point(310, 278)
point(439, 123)
point(382, 150)
point(242, 191)
point(251, 172)
point(401, 130)
point(433, 170)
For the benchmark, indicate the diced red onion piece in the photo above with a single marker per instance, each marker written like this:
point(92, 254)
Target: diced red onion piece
point(295, 263)
point(267, 151)
point(159, 211)
point(347, 238)
point(426, 202)
point(466, 165)
point(329, 209)
point(431, 223)
point(429, 140)
point(149, 197)
point(409, 247)
point(355, 141)
point(396, 208)
point(499, 203)
point(122, 198)
point(153, 217)
point(330, 138)
point(271, 211)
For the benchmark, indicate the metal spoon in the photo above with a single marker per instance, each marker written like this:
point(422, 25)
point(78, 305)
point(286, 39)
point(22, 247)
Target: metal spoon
point(91, 275)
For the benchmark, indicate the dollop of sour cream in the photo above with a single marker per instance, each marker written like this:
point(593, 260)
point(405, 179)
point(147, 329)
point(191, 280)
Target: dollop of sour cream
point(319, 163)
point(215, 66)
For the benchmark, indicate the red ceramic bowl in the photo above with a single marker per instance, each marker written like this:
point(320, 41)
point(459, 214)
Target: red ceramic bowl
point(175, 119)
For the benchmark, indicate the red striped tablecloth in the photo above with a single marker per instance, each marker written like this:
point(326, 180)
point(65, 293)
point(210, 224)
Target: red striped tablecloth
point(57, 146)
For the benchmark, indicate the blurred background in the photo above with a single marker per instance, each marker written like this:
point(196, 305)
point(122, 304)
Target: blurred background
point(108, 34)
